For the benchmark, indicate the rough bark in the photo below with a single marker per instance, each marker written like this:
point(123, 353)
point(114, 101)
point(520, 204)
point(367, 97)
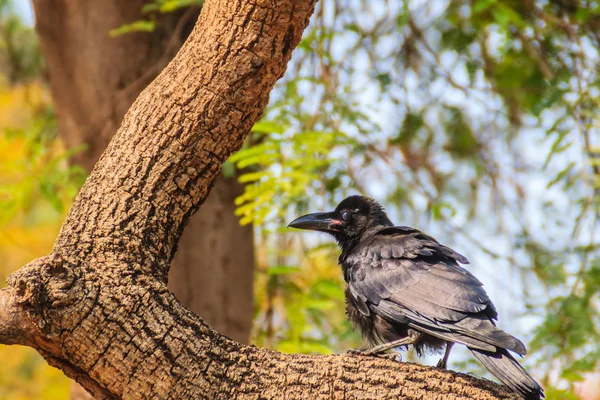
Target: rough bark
point(94, 80)
point(98, 307)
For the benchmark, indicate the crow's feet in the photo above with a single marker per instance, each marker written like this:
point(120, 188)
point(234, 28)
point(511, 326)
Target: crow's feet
point(443, 363)
point(356, 352)
point(387, 356)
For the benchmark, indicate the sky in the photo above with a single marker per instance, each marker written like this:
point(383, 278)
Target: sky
point(23, 7)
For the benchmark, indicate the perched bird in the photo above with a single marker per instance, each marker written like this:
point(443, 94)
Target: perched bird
point(405, 288)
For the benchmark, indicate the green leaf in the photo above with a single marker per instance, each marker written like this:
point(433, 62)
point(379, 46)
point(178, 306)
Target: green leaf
point(560, 394)
point(150, 7)
point(384, 80)
point(410, 127)
point(402, 19)
point(587, 363)
point(462, 141)
point(267, 147)
point(49, 191)
point(281, 269)
point(561, 175)
point(268, 127)
point(173, 5)
point(438, 208)
point(316, 304)
point(482, 5)
point(252, 177)
point(137, 26)
point(329, 289)
point(303, 346)
point(228, 169)
point(261, 159)
point(582, 15)
point(505, 16)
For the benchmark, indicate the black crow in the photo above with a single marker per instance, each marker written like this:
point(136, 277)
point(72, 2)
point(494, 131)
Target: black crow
point(405, 288)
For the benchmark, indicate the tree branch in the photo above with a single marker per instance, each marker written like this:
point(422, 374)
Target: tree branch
point(13, 328)
point(163, 160)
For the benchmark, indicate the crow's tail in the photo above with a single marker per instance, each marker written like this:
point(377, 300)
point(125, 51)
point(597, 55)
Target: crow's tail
point(504, 367)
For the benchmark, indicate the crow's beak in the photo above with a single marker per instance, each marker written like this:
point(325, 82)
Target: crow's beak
point(324, 222)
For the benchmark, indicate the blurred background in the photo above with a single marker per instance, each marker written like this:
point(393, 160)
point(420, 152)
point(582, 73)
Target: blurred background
point(476, 122)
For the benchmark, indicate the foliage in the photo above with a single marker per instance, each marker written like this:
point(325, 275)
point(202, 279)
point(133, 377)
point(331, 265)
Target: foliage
point(151, 11)
point(25, 375)
point(34, 164)
point(309, 296)
point(36, 186)
point(20, 59)
point(272, 177)
point(484, 136)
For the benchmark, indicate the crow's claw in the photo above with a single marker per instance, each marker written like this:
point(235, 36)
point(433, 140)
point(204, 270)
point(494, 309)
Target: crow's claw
point(390, 356)
point(387, 356)
point(357, 352)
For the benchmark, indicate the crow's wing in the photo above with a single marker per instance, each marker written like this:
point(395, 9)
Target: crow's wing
point(403, 274)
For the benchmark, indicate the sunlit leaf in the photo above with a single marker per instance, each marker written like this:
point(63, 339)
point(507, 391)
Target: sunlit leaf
point(137, 26)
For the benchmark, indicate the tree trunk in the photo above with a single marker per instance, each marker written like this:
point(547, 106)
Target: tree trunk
point(87, 68)
point(98, 307)
point(213, 269)
point(94, 80)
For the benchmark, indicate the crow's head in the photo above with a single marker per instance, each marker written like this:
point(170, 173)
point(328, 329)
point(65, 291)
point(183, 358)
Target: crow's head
point(350, 219)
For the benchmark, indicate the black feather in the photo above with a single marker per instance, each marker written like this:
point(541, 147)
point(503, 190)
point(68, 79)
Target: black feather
point(403, 283)
point(504, 367)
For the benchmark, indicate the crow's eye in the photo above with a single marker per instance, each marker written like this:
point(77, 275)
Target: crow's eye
point(346, 216)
